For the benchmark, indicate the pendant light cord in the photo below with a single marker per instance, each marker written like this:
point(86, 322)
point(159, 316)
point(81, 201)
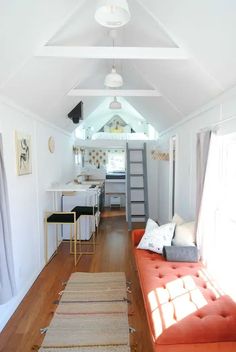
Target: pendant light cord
point(113, 45)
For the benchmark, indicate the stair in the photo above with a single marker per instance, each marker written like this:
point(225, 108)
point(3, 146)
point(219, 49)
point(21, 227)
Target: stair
point(136, 183)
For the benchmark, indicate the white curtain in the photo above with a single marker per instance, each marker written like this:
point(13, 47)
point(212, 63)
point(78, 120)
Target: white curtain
point(203, 144)
point(206, 224)
point(216, 230)
point(7, 278)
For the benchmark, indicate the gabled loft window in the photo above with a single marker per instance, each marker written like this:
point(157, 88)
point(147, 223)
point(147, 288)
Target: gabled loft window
point(115, 161)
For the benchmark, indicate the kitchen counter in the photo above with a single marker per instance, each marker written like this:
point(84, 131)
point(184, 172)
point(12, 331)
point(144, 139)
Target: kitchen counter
point(93, 182)
point(69, 187)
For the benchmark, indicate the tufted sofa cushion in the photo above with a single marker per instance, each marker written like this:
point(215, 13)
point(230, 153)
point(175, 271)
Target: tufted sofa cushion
point(185, 308)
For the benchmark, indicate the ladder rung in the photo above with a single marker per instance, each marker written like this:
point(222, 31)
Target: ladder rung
point(137, 201)
point(135, 150)
point(138, 215)
point(136, 175)
point(136, 162)
point(136, 187)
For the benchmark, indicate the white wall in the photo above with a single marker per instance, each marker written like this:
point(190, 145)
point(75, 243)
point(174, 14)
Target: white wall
point(220, 113)
point(27, 194)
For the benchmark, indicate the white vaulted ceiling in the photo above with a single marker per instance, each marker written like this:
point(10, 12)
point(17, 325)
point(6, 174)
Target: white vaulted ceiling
point(180, 52)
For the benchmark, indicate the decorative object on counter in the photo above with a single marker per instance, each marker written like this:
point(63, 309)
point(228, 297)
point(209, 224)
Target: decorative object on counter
point(23, 153)
point(158, 155)
point(51, 144)
point(78, 150)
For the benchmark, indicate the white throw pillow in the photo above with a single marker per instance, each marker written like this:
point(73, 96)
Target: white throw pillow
point(185, 235)
point(157, 238)
point(151, 225)
point(177, 219)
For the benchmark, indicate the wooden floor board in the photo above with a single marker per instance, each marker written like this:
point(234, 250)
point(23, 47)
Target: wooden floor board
point(113, 253)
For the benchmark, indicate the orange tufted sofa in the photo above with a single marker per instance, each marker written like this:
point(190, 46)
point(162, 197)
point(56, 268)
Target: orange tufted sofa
point(186, 310)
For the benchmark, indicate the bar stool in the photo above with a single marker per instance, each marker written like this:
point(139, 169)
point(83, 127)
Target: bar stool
point(60, 218)
point(87, 211)
point(91, 211)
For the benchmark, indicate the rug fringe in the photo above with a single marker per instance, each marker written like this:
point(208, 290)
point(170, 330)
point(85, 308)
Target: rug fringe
point(128, 290)
point(43, 330)
point(132, 330)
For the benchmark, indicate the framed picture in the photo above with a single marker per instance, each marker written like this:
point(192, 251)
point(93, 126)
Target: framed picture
point(23, 153)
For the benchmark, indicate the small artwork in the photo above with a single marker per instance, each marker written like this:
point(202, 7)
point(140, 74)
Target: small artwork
point(23, 154)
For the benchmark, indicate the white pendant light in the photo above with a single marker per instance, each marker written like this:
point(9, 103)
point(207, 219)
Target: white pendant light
point(113, 79)
point(115, 105)
point(112, 13)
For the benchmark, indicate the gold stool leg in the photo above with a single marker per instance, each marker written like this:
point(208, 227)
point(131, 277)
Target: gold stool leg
point(46, 241)
point(80, 246)
point(71, 237)
point(57, 238)
point(75, 244)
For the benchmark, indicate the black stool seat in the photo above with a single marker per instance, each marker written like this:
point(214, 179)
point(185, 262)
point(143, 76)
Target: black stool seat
point(63, 218)
point(85, 210)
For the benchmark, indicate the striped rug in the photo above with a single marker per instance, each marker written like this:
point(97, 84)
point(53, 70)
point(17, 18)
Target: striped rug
point(91, 316)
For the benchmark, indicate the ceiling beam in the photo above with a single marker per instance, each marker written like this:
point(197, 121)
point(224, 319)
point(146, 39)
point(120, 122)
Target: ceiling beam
point(114, 93)
point(104, 52)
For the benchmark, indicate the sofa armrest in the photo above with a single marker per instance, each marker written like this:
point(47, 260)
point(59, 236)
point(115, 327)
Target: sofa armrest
point(137, 235)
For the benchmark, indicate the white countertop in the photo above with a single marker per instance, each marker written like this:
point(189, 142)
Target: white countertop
point(91, 182)
point(70, 187)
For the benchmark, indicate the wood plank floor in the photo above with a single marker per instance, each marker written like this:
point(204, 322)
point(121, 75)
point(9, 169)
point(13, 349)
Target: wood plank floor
point(113, 253)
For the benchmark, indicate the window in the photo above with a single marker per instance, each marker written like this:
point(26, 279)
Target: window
point(115, 161)
point(217, 220)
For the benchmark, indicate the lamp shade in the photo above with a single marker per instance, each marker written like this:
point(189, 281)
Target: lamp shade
point(112, 13)
point(113, 79)
point(115, 105)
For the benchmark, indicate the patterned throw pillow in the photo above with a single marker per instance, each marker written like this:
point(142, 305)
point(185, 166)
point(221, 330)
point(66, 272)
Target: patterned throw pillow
point(151, 225)
point(157, 238)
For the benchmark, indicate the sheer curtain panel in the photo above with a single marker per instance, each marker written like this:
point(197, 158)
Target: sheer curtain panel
point(207, 216)
point(7, 278)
